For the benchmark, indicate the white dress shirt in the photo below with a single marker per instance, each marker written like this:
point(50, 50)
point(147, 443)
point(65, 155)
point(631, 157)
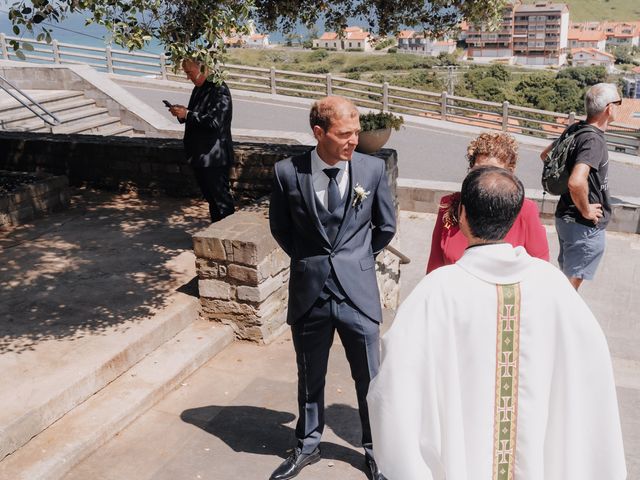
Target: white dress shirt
point(321, 180)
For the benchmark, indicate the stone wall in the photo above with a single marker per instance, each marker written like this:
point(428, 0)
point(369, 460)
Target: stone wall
point(37, 195)
point(424, 196)
point(243, 274)
point(146, 164)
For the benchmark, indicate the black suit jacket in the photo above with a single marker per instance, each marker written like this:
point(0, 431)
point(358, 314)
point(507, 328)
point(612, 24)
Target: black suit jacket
point(365, 230)
point(207, 132)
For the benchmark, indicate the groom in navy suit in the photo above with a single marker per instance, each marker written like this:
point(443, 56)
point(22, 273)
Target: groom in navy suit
point(331, 211)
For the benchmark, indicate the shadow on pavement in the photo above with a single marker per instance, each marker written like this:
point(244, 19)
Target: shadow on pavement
point(263, 431)
point(108, 260)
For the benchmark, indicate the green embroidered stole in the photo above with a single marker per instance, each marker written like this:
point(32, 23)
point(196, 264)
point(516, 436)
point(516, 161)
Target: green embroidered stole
point(506, 395)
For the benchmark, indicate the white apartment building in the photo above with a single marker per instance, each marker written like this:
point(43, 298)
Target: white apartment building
point(587, 39)
point(541, 34)
point(586, 57)
point(415, 42)
point(353, 38)
point(533, 34)
point(625, 34)
point(482, 43)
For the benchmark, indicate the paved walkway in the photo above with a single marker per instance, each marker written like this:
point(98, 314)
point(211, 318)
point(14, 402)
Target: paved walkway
point(81, 293)
point(234, 418)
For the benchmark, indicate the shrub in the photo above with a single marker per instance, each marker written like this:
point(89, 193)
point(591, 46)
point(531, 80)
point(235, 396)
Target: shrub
point(379, 120)
point(317, 55)
point(392, 50)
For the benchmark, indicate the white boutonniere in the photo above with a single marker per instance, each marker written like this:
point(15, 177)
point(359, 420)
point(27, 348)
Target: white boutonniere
point(359, 195)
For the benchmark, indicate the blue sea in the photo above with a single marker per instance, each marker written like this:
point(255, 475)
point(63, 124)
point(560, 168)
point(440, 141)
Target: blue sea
point(73, 30)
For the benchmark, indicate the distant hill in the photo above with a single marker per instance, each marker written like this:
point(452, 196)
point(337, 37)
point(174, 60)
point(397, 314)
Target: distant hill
point(598, 10)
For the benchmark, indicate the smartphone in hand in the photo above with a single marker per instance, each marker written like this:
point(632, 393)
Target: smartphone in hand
point(167, 103)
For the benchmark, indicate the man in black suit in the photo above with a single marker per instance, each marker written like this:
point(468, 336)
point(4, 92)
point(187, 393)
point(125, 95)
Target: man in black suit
point(207, 138)
point(331, 211)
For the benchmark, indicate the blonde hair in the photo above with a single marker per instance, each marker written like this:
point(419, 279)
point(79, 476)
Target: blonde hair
point(326, 110)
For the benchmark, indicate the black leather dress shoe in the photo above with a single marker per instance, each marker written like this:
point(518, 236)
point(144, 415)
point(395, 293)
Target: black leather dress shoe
point(373, 468)
point(294, 464)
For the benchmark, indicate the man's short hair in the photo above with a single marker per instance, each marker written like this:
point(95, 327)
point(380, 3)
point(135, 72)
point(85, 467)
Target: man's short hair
point(598, 97)
point(327, 109)
point(492, 198)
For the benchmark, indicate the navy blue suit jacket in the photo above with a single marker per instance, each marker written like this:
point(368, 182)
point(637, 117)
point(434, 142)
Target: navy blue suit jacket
point(366, 229)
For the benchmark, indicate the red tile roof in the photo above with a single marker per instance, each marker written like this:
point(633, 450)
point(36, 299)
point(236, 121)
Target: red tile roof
point(592, 52)
point(628, 114)
point(587, 35)
point(329, 36)
point(406, 33)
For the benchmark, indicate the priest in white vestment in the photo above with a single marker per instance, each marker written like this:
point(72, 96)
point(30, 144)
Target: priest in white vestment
point(495, 368)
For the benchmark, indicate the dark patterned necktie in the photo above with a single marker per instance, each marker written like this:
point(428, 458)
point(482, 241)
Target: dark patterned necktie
point(333, 192)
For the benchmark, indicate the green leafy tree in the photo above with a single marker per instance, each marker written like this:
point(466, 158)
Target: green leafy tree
point(570, 97)
point(476, 79)
point(530, 88)
point(490, 89)
point(585, 76)
point(623, 54)
point(194, 29)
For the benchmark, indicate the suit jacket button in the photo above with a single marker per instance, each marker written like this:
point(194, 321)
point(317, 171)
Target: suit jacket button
point(333, 254)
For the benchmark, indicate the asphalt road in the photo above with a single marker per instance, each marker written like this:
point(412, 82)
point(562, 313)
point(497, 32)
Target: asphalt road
point(423, 153)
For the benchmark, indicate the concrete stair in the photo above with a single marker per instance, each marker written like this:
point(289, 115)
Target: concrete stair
point(77, 114)
point(72, 416)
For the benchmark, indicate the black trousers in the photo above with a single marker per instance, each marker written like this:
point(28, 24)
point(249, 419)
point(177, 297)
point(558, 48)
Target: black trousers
point(214, 184)
point(312, 339)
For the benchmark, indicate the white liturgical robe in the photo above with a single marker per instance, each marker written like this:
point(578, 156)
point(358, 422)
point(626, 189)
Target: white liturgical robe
point(495, 368)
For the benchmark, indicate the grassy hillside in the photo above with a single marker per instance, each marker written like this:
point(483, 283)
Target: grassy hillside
point(598, 10)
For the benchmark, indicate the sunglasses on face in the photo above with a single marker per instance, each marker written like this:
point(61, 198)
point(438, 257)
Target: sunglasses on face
point(617, 102)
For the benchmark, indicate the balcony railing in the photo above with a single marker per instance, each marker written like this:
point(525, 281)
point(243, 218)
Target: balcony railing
point(501, 116)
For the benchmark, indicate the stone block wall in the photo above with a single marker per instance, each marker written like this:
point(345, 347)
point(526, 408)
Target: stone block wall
point(243, 274)
point(45, 194)
point(152, 165)
point(424, 196)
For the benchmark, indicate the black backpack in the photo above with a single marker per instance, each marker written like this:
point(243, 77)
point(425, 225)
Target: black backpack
point(555, 174)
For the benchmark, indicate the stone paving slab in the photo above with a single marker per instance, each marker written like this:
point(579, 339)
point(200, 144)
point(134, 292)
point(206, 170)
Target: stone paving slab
point(81, 299)
point(235, 417)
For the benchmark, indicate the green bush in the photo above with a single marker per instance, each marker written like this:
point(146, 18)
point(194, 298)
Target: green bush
point(317, 55)
point(392, 50)
point(387, 42)
point(379, 120)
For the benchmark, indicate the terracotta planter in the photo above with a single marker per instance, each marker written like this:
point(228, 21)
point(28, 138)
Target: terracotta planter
point(373, 140)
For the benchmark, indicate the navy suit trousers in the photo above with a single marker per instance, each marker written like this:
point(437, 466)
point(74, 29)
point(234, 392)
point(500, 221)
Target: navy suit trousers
point(312, 338)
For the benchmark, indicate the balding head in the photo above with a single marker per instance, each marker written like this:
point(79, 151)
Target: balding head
point(328, 109)
point(492, 198)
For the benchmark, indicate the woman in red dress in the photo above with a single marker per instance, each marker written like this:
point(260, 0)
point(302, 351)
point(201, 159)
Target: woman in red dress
point(448, 243)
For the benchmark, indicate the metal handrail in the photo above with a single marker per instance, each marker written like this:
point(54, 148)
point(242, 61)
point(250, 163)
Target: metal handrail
point(403, 258)
point(56, 120)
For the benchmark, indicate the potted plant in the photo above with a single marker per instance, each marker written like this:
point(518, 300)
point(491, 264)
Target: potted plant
point(376, 130)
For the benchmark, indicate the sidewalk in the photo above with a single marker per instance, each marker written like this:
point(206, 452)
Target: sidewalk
point(235, 417)
point(85, 294)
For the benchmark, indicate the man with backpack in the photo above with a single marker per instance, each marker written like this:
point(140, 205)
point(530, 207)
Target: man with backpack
point(584, 207)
